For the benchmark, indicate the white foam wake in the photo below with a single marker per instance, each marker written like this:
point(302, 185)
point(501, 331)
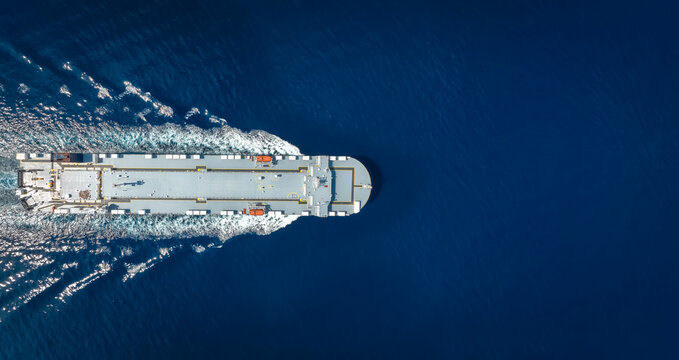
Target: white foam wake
point(47, 257)
point(46, 128)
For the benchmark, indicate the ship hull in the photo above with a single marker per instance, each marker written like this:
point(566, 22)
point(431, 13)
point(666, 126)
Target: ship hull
point(146, 184)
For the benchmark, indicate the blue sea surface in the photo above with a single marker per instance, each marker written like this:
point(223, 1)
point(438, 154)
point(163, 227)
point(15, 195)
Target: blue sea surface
point(524, 157)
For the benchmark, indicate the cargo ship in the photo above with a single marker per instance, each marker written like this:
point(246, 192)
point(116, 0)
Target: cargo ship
point(192, 184)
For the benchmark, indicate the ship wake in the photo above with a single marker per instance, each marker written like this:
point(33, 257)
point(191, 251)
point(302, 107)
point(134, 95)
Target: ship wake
point(47, 258)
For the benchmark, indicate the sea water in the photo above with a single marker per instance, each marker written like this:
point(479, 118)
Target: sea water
point(523, 156)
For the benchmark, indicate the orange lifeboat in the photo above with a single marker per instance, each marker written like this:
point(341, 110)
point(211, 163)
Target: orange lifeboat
point(263, 158)
point(256, 212)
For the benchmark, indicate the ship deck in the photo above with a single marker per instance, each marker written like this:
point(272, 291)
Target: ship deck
point(207, 184)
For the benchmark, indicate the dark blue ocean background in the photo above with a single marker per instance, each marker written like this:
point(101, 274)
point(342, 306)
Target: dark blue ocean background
point(524, 156)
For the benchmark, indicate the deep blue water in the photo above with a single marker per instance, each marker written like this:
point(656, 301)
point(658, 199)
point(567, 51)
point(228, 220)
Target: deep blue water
point(524, 155)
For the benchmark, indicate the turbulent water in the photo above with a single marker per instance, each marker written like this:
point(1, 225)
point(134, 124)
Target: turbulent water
point(46, 258)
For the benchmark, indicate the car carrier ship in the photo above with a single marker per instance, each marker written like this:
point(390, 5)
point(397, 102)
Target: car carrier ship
point(182, 184)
